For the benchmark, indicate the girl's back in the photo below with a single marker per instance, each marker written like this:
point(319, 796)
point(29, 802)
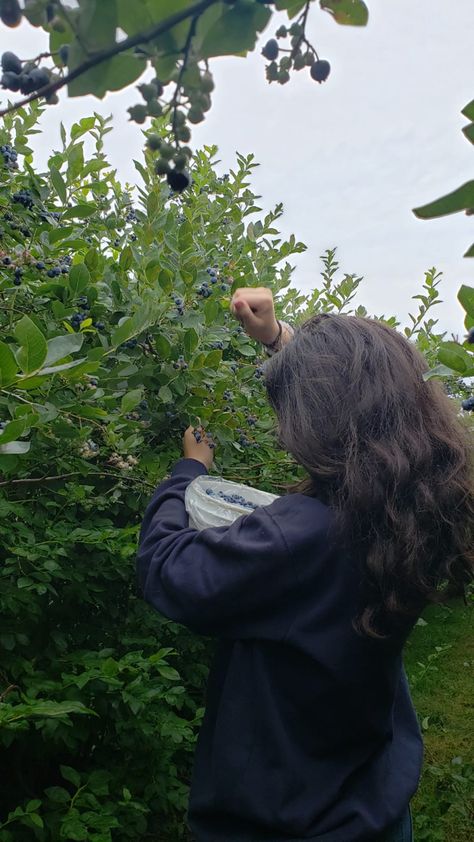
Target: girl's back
point(309, 730)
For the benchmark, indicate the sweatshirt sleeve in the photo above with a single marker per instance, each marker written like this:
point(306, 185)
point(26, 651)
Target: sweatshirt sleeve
point(222, 581)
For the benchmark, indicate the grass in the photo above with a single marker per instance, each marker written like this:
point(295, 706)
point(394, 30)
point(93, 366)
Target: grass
point(439, 659)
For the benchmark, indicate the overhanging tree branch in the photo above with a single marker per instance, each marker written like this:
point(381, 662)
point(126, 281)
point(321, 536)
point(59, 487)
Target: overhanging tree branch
point(104, 55)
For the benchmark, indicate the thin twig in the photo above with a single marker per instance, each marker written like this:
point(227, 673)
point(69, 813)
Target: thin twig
point(98, 474)
point(105, 55)
point(175, 101)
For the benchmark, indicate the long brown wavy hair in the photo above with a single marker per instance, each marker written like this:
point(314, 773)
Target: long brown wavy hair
point(388, 453)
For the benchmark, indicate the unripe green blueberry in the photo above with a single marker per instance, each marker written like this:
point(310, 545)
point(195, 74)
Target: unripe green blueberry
point(184, 134)
point(309, 59)
point(282, 32)
point(298, 61)
point(162, 166)
point(203, 101)
point(148, 92)
point(207, 82)
point(296, 29)
point(180, 161)
point(179, 118)
point(153, 142)
point(138, 113)
point(285, 63)
point(154, 109)
point(283, 77)
point(272, 72)
point(195, 114)
point(167, 151)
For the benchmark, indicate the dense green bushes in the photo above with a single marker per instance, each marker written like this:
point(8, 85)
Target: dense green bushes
point(101, 371)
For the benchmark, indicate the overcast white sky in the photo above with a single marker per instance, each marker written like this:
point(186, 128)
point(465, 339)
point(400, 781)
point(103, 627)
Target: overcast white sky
point(348, 158)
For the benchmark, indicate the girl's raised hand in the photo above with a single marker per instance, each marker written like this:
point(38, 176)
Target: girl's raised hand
point(197, 444)
point(253, 306)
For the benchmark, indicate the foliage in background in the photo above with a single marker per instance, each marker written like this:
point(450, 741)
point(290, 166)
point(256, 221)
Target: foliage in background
point(116, 334)
point(459, 200)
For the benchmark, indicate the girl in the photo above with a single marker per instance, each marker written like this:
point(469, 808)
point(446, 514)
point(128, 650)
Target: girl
point(309, 731)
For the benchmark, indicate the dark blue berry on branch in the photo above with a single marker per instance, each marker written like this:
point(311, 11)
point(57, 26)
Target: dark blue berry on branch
point(11, 62)
point(320, 70)
point(470, 337)
point(271, 49)
point(468, 405)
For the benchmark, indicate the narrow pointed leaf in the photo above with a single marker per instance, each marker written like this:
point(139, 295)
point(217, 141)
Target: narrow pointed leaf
point(33, 348)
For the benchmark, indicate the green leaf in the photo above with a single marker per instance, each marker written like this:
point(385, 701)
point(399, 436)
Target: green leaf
point(61, 346)
point(33, 348)
point(466, 299)
point(82, 127)
point(224, 30)
point(165, 394)
point(36, 819)
point(50, 370)
point(12, 430)
point(213, 359)
point(70, 775)
point(16, 447)
point(438, 371)
point(126, 258)
point(131, 400)
point(165, 280)
point(163, 346)
point(190, 341)
point(8, 365)
point(33, 805)
point(58, 794)
point(454, 356)
point(58, 183)
point(468, 110)
point(247, 350)
point(468, 131)
point(82, 211)
point(79, 279)
point(470, 251)
point(347, 12)
point(458, 200)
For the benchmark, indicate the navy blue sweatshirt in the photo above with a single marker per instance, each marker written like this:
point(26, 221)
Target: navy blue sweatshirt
point(309, 730)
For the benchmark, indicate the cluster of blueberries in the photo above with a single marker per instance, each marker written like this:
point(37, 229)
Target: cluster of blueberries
point(179, 304)
point(180, 363)
point(10, 156)
point(235, 499)
point(227, 395)
point(130, 343)
point(468, 404)
point(23, 197)
point(17, 77)
point(197, 435)
point(259, 372)
point(217, 346)
point(204, 290)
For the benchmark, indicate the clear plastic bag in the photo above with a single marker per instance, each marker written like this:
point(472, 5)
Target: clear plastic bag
point(206, 507)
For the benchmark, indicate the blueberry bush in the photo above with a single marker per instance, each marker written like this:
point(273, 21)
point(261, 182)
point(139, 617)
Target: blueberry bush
point(115, 336)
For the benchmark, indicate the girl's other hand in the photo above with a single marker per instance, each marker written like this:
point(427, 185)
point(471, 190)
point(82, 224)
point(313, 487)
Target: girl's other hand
point(253, 307)
point(197, 444)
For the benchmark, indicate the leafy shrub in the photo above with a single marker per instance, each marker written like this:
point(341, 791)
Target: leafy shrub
point(110, 349)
